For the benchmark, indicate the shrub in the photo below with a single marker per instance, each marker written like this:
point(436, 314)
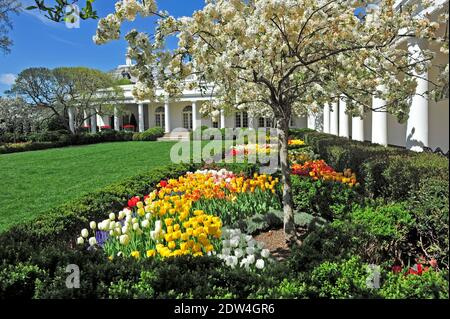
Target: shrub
point(18, 281)
point(429, 205)
point(344, 280)
point(322, 198)
point(380, 233)
point(149, 135)
point(430, 285)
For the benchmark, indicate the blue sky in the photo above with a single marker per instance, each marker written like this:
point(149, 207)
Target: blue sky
point(39, 42)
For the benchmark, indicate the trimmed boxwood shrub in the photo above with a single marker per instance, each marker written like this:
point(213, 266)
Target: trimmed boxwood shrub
point(62, 138)
point(149, 135)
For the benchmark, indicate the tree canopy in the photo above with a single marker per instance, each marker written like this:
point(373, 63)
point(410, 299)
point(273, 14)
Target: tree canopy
point(85, 90)
point(7, 7)
point(283, 57)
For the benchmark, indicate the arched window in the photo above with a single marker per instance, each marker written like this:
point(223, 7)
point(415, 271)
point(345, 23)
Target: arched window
point(187, 117)
point(160, 118)
point(241, 119)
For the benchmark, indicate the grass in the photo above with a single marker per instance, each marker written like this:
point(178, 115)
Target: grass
point(34, 182)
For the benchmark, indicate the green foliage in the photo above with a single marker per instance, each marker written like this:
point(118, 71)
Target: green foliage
point(241, 206)
point(430, 285)
point(55, 139)
point(340, 280)
point(322, 198)
point(18, 281)
point(380, 233)
point(429, 205)
point(149, 135)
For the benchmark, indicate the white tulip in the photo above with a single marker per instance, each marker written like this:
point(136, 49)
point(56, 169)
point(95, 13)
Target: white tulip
point(124, 239)
point(259, 264)
point(134, 220)
point(158, 226)
point(93, 225)
point(121, 215)
point(145, 223)
point(265, 253)
point(226, 243)
point(84, 233)
point(128, 219)
point(226, 251)
point(250, 250)
point(80, 240)
point(238, 253)
point(112, 216)
point(148, 216)
point(135, 226)
point(92, 241)
point(251, 259)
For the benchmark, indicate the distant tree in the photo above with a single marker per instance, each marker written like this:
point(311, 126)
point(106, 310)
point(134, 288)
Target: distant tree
point(83, 90)
point(7, 7)
point(18, 117)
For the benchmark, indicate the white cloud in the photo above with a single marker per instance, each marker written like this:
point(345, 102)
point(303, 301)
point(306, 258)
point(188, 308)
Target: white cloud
point(7, 78)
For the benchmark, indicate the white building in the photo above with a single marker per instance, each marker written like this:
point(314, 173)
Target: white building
point(427, 126)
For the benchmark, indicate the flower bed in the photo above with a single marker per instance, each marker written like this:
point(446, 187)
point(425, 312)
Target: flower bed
point(165, 224)
point(192, 235)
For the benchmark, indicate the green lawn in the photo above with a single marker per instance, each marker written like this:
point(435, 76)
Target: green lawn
point(34, 182)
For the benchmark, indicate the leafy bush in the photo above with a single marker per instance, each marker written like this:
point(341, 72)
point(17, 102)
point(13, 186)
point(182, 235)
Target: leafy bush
point(430, 285)
point(344, 280)
point(149, 135)
point(322, 198)
point(62, 138)
point(429, 205)
point(18, 281)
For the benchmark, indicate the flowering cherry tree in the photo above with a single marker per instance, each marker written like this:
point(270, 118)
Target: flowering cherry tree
point(279, 57)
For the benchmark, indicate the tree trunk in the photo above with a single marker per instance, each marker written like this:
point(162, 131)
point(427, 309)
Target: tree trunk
point(289, 225)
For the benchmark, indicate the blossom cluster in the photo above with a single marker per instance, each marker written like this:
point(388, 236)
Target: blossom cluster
point(165, 224)
point(242, 250)
point(320, 170)
point(252, 149)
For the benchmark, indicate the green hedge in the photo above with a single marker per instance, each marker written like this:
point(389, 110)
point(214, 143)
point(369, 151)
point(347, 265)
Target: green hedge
point(152, 134)
point(388, 172)
point(40, 141)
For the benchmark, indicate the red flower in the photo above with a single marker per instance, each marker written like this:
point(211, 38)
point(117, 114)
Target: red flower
point(133, 201)
point(163, 183)
point(396, 269)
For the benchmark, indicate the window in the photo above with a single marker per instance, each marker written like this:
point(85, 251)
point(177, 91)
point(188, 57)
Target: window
point(160, 119)
point(265, 122)
point(241, 119)
point(215, 124)
point(187, 117)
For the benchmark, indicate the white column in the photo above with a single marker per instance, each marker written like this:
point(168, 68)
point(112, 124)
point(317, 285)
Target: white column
point(141, 117)
point(222, 119)
point(343, 119)
point(116, 119)
point(334, 123)
point(86, 119)
point(194, 116)
point(71, 114)
point(358, 127)
point(379, 120)
point(326, 118)
point(167, 116)
point(311, 120)
point(252, 122)
point(94, 121)
point(417, 126)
